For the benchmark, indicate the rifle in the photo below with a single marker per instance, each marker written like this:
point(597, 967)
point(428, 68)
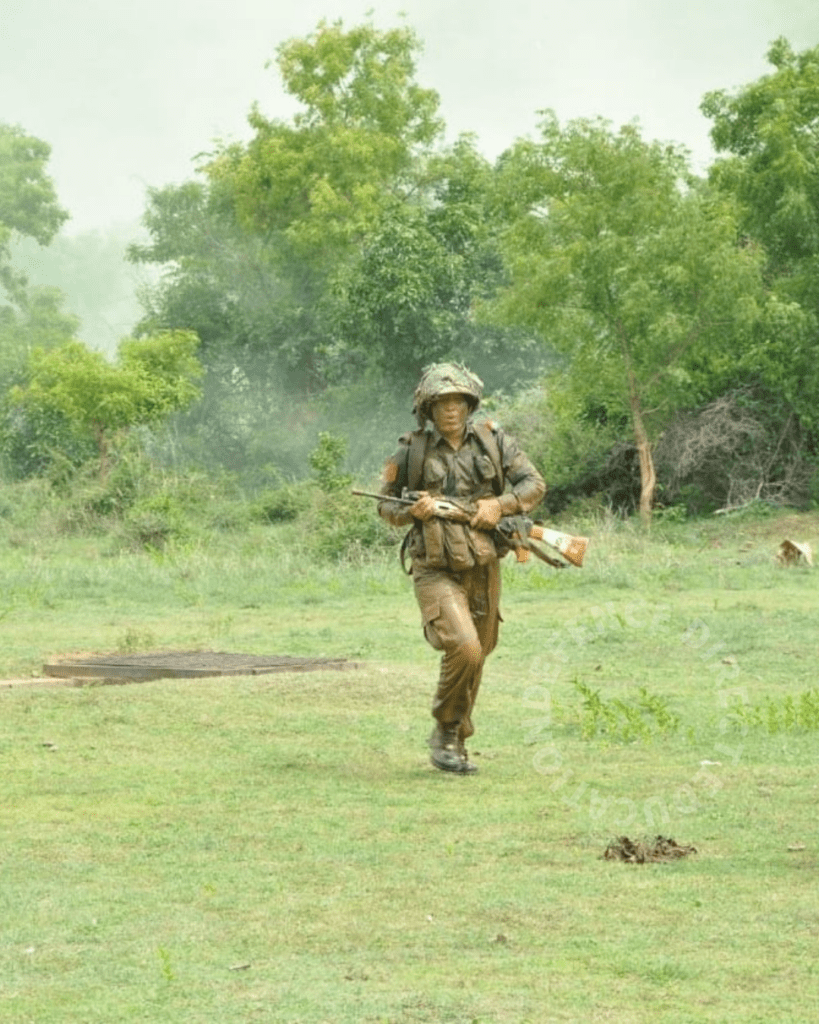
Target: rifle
point(515, 532)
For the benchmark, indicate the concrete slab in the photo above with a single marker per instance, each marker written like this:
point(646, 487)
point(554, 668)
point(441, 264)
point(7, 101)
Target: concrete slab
point(185, 665)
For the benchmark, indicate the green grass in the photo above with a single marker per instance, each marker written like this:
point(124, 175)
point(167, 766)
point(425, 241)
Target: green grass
point(279, 849)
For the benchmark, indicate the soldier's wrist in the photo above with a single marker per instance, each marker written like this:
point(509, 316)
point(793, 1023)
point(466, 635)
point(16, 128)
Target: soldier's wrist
point(509, 504)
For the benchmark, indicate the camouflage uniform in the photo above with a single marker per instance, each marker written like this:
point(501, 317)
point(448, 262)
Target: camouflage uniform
point(455, 568)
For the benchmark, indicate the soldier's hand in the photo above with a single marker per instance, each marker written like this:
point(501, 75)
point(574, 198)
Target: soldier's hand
point(487, 515)
point(423, 509)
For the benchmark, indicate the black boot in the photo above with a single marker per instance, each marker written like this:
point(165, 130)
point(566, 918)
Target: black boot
point(448, 751)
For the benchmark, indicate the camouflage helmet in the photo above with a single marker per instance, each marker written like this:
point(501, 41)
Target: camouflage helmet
point(445, 379)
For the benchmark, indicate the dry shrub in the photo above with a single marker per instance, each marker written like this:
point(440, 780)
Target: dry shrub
point(732, 452)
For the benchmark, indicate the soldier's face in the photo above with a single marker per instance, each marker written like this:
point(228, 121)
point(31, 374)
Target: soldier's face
point(449, 413)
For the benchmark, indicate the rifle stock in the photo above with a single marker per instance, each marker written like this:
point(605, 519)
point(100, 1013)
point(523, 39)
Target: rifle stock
point(572, 548)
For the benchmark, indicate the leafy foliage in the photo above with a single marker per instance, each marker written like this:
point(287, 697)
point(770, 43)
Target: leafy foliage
point(769, 127)
point(28, 201)
point(336, 524)
point(90, 397)
point(321, 181)
point(628, 267)
point(768, 130)
point(28, 209)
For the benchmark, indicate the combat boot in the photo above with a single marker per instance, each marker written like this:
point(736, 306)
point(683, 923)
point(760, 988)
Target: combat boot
point(448, 751)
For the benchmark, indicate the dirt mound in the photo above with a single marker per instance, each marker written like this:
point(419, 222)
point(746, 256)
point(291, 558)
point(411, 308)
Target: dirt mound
point(661, 848)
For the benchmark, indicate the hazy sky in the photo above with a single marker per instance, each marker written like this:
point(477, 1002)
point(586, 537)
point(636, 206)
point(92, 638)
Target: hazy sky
point(127, 95)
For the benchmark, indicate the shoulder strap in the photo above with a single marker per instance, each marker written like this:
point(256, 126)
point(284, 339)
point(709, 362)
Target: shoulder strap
point(415, 461)
point(489, 443)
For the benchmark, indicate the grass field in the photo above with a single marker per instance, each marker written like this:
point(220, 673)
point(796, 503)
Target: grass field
point(278, 848)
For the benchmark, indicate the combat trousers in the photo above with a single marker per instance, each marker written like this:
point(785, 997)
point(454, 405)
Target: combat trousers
point(460, 615)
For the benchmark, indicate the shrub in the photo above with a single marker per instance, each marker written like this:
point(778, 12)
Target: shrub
point(338, 524)
point(154, 521)
point(575, 449)
point(284, 504)
point(737, 449)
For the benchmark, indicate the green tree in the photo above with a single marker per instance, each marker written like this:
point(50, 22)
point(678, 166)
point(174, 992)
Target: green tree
point(630, 268)
point(769, 128)
point(38, 320)
point(28, 201)
point(252, 252)
point(409, 295)
point(768, 133)
point(321, 181)
point(28, 209)
point(152, 378)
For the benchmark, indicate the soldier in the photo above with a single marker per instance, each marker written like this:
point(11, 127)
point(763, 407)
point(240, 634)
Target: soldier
point(455, 565)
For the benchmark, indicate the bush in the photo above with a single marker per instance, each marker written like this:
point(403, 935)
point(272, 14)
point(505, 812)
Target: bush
point(337, 524)
point(579, 457)
point(284, 504)
point(340, 525)
point(742, 447)
point(154, 521)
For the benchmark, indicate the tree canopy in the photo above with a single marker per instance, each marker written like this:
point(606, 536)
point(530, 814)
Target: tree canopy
point(28, 209)
point(770, 129)
point(629, 268)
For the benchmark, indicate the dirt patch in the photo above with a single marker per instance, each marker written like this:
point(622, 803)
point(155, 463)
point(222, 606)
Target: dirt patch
point(31, 681)
point(656, 850)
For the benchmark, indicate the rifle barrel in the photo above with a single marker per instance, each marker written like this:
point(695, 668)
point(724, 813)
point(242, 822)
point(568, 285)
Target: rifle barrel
point(384, 497)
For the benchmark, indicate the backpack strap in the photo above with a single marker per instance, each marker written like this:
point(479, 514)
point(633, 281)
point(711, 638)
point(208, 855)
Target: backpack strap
point(485, 433)
point(419, 441)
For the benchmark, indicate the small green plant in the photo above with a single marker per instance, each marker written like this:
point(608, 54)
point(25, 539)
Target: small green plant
point(326, 462)
point(135, 639)
point(775, 715)
point(165, 964)
point(625, 720)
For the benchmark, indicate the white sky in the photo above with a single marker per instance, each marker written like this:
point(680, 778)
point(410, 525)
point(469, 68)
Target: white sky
point(127, 95)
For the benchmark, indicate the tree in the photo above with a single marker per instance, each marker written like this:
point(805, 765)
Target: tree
point(321, 182)
point(38, 321)
point(28, 202)
point(630, 268)
point(153, 377)
point(28, 209)
point(406, 298)
point(253, 251)
point(770, 129)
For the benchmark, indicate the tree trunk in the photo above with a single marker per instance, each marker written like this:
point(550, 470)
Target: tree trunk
point(648, 476)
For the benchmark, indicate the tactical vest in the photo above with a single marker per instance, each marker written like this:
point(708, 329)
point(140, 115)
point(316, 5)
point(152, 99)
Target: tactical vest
point(420, 442)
